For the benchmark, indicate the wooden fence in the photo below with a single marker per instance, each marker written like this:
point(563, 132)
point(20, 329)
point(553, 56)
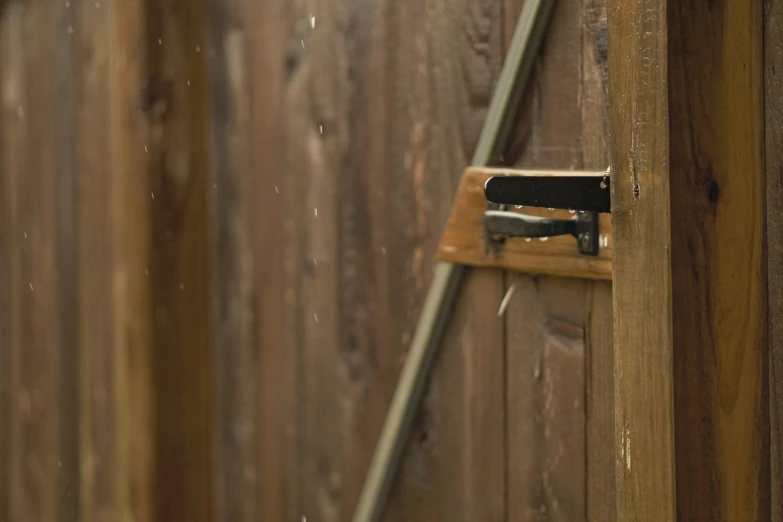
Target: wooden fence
point(218, 221)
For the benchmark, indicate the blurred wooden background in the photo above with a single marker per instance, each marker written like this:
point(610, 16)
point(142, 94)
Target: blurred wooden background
point(218, 222)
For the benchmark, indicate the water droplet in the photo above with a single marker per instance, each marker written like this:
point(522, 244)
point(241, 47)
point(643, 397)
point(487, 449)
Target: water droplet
point(160, 41)
point(145, 149)
point(67, 4)
point(312, 26)
point(31, 287)
point(550, 208)
point(544, 238)
point(188, 83)
point(97, 4)
point(146, 272)
point(152, 194)
point(528, 240)
point(321, 129)
point(302, 43)
point(603, 184)
point(70, 29)
point(315, 262)
point(315, 212)
point(198, 48)
point(316, 317)
point(518, 206)
point(383, 250)
point(572, 211)
point(277, 190)
point(20, 112)
point(25, 235)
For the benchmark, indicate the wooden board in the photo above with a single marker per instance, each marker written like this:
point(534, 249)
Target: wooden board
point(601, 498)
point(465, 240)
point(180, 268)
point(557, 338)
point(686, 115)
point(718, 226)
point(773, 156)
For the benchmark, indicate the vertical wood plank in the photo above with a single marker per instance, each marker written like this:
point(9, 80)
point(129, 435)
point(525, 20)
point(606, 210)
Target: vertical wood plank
point(601, 492)
point(690, 364)
point(717, 216)
point(33, 330)
point(546, 394)
point(98, 416)
point(600, 478)
point(12, 144)
point(232, 189)
point(773, 136)
point(314, 135)
point(180, 265)
point(545, 319)
point(643, 358)
point(441, 82)
point(131, 239)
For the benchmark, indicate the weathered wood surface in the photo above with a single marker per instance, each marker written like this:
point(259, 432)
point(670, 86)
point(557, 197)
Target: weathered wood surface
point(639, 118)
point(773, 157)
point(717, 187)
point(465, 240)
point(558, 357)
point(686, 116)
point(106, 338)
point(218, 226)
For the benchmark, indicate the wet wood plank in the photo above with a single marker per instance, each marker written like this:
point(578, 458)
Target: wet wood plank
point(180, 268)
point(31, 330)
point(457, 439)
point(545, 319)
point(773, 134)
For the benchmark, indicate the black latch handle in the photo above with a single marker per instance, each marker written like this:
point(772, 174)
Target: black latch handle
point(589, 193)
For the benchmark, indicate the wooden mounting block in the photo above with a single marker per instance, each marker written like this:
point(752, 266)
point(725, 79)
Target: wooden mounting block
point(464, 241)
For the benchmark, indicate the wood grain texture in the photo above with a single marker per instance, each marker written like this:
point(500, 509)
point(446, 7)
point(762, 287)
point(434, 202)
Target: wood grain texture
point(643, 358)
point(180, 268)
point(416, 157)
point(546, 399)
point(690, 363)
point(31, 323)
point(74, 318)
point(465, 241)
point(548, 333)
point(132, 332)
point(718, 257)
point(230, 50)
point(601, 487)
point(773, 157)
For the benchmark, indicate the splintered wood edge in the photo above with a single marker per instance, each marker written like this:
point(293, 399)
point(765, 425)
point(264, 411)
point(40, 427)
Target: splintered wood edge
point(464, 241)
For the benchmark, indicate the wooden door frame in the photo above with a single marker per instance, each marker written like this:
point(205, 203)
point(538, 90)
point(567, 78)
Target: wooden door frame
point(690, 303)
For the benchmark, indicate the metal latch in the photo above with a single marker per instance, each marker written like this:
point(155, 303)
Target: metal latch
point(501, 224)
point(585, 193)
